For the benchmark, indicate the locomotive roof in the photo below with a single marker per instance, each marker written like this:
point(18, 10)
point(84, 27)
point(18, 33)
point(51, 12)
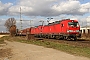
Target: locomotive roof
point(57, 22)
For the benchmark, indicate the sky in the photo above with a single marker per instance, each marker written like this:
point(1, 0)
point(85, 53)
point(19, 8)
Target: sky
point(39, 10)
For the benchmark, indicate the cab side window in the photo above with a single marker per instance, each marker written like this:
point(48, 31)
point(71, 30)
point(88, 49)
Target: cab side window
point(62, 25)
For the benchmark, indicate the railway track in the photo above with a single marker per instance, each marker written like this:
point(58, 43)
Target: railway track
point(79, 42)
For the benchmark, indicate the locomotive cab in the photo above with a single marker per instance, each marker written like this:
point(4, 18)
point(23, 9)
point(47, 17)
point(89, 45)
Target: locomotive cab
point(73, 29)
point(73, 24)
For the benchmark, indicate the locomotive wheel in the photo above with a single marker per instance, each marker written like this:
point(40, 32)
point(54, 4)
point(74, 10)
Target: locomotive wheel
point(57, 37)
point(67, 38)
point(45, 36)
point(48, 37)
point(75, 38)
point(61, 37)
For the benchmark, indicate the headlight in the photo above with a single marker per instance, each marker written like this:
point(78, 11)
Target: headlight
point(69, 30)
point(73, 31)
point(77, 30)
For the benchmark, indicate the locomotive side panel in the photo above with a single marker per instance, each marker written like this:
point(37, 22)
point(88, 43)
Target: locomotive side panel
point(45, 29)
point(57, 28)
point(51, 28)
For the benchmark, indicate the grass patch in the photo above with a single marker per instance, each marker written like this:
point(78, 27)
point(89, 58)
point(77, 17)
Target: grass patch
point(1, 41)
point(80, 51)
point(76, 50)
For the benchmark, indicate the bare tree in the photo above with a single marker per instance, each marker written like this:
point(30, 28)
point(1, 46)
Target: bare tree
point(11, 22)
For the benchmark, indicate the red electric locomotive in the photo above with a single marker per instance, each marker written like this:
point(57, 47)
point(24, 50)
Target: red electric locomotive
point(65, 29)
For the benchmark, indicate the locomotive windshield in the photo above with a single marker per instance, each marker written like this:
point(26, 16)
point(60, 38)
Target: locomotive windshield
point(73, 23)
